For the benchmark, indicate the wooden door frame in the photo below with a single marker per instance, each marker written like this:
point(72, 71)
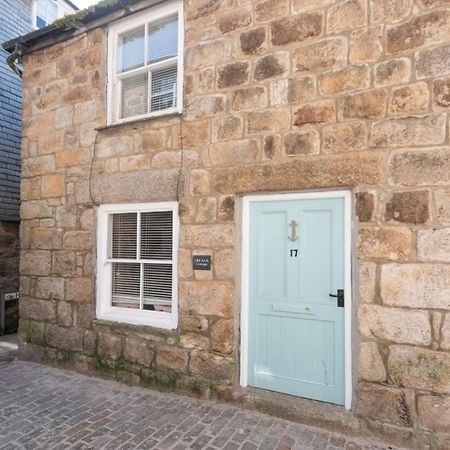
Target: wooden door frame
point(247, 200)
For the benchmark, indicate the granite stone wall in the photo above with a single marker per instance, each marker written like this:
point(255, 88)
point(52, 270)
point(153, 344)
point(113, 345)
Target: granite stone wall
point(279, 96)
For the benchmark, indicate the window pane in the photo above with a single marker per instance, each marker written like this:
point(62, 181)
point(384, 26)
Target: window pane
point(158, 287)
point(134, 96)
point(156, 235)
point(126, 285)
point(164, 89)
point(131, 50)
point(124, 235)
point(163, 40)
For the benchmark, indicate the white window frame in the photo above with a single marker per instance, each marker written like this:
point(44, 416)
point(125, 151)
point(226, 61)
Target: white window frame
point(63, 9)
point(154, 14)
point(104, 308)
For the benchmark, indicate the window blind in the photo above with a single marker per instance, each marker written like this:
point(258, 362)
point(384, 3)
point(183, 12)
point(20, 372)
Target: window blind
point(145, 240)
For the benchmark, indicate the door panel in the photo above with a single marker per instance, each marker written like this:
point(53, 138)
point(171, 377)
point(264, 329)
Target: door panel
point(296, 331)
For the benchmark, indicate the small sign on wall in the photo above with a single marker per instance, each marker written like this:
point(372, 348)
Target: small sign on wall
point(201, 262)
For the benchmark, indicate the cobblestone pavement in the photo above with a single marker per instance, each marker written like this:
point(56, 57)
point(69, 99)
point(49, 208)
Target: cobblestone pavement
point(43, 407)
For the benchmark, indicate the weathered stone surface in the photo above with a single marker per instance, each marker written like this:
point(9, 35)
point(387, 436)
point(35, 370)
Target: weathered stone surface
point(137, 351)
point(394, 406)
point(365, 206)
point(227, 153)
point(393, 71)
point(371, 367)
point(222, 336)
point(433, 413)
point(344, 137)
point(52, 186)
point(271, 147)
point(78, 289)
point(396, 325)
point(270, 120)
point(64, 314)
point(301, 143)
point(193, 323)
point(35, 309)
point(269, 9)
point(416, 285)
point(305, 174)
point(384, 243)
point(50, 288)
point(35, 210)
point(430, 28)
point(347, 15)
point(211, 366)
point(200, 180)
point(364, 105)
point(441, 93)
point(35, 262)
point(271, 65)
point(252, 42)
point(206, 298)
point(367, 281)
point(207, 210)
point(420, 368)
point(411, 99)
point(63, 263)
point(322, 56)
point(433, 63)
point(418, 167)
point(320, 112)
point(77, 240)
point(64, 338)
point(172, 358)
point(390, 10)
point(442, 199)
point(445, 331)
point(249, 98)
point(232, 74)
point(296, 28)
point(208, 53)
point(226, 128)
point(433, 245)
point(46, 238)
point(235, 19)
point(109, 345)
point(204, 106)
point(408, 131)
point(226, 208)
point(304, 5)
point(408, 207)
point(348, 79)
point(289, 90)
point(366, 44)
point(224, 265)
point(40, 165)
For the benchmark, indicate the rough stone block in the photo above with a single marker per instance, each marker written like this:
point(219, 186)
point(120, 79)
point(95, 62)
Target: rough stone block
point(445, 331)
point(348, 79)
point(206, 298)
point(416, 285)
point(301, 143)
point(418, 167)
point(296, 28)
point(371, 367)
point(226, 128)
point(426, 29)
point(441, 93)
point(40, 165)
point(222, 336)
point(271, 65)
point(433, 245)
point(394, 406)
point(64, 338)
point(227, 153)
point(433, 63)
point(390, 10)
point(35, 262)
point(272, 120)
point(367, 281)
point(77, 240)
point(193, 323)
point(408, 207)
point(419, 368)
point(433, 413)
point(211, 366)
point(232, 74)
point(207, 236)
point(172, 358)
point(78, 289)
point(46, 238)
point(442, 199)
point(347, 15)
point(208, 53)
point(38, 209)
point(204, 106)
point(384, 243)
point(366, 44)
point(192, 340)
point(235, 19)
point(64, 314)
point(411, 99)
point(365, 105)
point(322, 56)
point(266, 10)
point(393, 71)
point(408, 131)
point(253, 41)
point(63, 263)
point(35, 309)
point(317, 113)
point(224, 265)
point(365, 205)
point(199, 182)
point(396, 325)
point(109, 345)
point(137, 351)
point(254, 97)
point(50, 288)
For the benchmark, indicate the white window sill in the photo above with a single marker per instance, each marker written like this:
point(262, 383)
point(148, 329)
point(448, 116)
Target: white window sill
point(139, 120)
point(154, 319)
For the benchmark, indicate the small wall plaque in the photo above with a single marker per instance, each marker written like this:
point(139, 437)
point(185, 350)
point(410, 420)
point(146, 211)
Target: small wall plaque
point(201, 262)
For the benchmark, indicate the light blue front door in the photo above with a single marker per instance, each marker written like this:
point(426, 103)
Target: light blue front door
point(296, 330)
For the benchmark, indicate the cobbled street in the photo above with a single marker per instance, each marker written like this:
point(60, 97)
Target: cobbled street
point(47, 408)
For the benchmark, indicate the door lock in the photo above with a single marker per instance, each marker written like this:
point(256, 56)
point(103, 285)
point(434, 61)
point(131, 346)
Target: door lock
point(340, 297)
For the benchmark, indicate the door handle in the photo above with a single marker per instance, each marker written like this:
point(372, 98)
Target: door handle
point(293, 224)
point(340, 297)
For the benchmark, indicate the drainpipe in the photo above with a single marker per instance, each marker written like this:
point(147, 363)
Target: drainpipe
point(13, 57)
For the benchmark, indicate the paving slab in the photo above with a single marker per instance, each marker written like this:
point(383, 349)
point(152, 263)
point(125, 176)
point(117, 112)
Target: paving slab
point(47, 408)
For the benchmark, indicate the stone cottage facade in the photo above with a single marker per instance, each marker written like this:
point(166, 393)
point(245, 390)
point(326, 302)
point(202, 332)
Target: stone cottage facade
point(277, 97)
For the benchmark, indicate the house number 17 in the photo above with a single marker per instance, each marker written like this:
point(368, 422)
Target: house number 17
point(294, 253)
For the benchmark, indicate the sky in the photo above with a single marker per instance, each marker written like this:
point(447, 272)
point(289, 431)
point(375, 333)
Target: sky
point(84, 3)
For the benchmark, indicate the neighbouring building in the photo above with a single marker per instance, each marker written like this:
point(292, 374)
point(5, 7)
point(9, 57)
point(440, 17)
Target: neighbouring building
point(247, 200)
point(16, 17)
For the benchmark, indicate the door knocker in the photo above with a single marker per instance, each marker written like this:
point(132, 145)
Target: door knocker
point(293, 224)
